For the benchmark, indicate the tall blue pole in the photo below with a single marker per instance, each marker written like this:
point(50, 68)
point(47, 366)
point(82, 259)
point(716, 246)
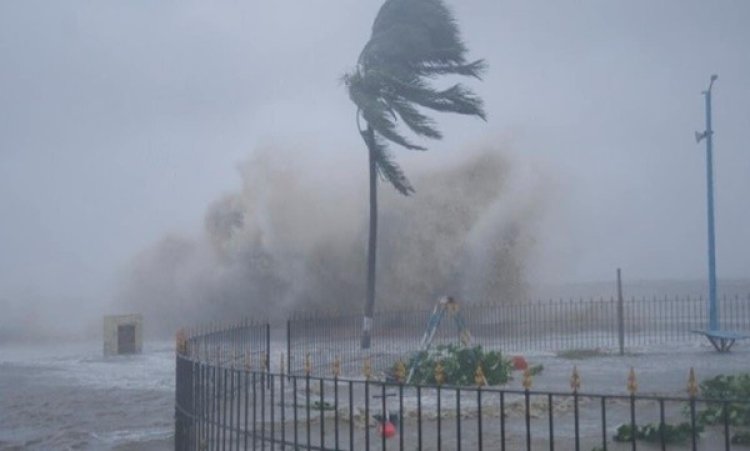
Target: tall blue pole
point(713, 309)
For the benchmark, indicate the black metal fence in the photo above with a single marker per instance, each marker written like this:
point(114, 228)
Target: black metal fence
point(217, 346)
point(227, 344)
point(554, 325)
point(232, 408)
point(227, 397)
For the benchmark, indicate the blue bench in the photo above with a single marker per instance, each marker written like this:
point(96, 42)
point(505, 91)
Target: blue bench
point(722, 339)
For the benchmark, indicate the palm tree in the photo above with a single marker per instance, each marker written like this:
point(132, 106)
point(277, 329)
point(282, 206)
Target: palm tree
point(412, 42)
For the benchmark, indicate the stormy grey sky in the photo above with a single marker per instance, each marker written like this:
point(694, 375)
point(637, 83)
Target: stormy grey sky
point(121, 121)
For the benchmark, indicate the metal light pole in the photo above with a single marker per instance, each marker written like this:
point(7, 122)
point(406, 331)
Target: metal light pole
point(713, 310)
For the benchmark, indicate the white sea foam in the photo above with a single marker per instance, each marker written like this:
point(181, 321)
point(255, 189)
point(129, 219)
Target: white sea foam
point(65, 396)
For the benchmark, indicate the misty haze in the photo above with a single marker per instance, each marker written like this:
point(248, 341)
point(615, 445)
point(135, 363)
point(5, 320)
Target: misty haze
point(200, 162)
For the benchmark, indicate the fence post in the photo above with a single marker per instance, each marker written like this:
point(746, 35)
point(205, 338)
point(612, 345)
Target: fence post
point(620, 314)
point(268, 346)
point(267, 364)
point(289, 346)
point(179, 422)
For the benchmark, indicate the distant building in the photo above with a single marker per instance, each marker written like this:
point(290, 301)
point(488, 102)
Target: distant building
point(123, 334)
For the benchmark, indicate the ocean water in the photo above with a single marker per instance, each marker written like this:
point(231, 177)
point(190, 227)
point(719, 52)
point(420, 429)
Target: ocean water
point(68, 396)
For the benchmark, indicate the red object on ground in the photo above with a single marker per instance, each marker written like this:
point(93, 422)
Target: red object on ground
point(519, 362)
point(387, 430)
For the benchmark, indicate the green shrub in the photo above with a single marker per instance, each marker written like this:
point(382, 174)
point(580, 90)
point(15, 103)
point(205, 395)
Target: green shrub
point(652, 433)
point(721, 387)
point(536, 369)
point(316, 405)
point(741, 438)
point(459, 365)
point(733, 387)
point(730, 388)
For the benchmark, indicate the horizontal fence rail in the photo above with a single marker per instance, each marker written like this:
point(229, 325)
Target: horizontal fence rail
point(554, 325)
point(217, 346)
point(227, 397)
point(225, 408)
point(226, 344)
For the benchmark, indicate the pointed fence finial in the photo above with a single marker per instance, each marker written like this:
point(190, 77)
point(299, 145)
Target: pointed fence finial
point(400, 371)
point(439, 373)
point(479, 378)
point(308, 364)
point(337, 367)
point(181, 342)
point(692, 387)
point(632, 382)
point(527, 379)
point(575, 380)
point(367, 369)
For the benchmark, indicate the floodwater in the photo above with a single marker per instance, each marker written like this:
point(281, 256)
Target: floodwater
point(68, 396)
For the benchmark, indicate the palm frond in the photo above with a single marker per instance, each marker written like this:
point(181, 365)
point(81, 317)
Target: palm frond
point(376, 112)
point(412, 42)
point(456, 99)
point(412, 117)
point(388, 169)
point(474, 69)
point(417, 31)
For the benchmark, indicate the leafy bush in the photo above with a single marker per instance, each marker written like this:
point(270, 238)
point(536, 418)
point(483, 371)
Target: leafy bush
point(737, 413)
point(459, 365)
point(730, 388)
point(536, 369)
point(652, 433)
point(741, 438)
point(722, 387)
point(316, 405)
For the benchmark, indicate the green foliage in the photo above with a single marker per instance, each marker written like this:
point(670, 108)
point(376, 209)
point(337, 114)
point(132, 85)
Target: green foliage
point(412, 42)
point(652, 433)
point(459, 365)
point(729, 388)
point(387, 167)
point(721, 387)
point(733, 387)
point(741, 438)
point(316, 405)
point(536, 369)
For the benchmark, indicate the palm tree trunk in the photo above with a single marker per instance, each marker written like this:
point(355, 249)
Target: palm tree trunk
point(372, 243)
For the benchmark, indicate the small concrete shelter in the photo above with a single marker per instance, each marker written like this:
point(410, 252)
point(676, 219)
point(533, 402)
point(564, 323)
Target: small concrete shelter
point(123, 334)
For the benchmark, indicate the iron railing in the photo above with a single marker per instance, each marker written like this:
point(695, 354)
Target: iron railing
point(554, 325)
point(219, 346)
point(241, 408)
point(226, 343)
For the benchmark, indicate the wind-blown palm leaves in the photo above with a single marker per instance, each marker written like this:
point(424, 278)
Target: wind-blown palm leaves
point(412, 42)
